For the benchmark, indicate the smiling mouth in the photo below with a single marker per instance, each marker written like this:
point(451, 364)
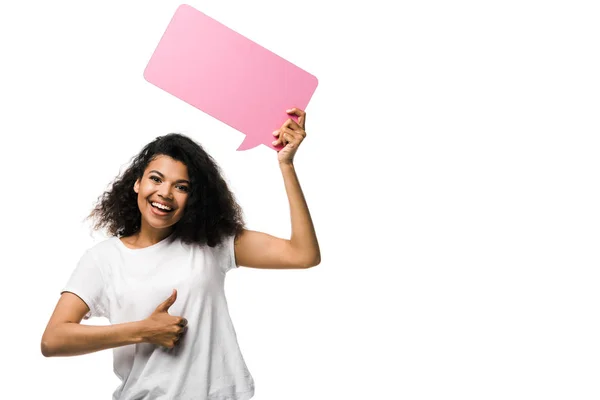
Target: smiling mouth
point(161, 208)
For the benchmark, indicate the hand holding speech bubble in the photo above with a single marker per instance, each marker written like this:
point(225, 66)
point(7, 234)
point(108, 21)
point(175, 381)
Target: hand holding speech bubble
point(228, 76)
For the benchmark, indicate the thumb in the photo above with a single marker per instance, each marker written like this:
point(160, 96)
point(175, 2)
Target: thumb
point(164, 306)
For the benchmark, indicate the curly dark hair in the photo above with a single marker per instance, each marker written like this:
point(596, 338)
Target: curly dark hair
point(211, 211)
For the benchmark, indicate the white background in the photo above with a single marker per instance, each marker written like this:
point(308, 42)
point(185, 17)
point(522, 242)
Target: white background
point(451, 170)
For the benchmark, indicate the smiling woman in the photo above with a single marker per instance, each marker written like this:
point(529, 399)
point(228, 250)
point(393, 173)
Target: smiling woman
point(163, 207)
point(176, 230)
point(175, 173)
point(161, 199)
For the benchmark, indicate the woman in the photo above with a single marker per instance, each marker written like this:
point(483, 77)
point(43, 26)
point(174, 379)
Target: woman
point(175, 230)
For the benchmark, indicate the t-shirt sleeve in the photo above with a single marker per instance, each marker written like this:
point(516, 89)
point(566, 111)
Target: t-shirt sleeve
point(87, 283)
point(227, 254)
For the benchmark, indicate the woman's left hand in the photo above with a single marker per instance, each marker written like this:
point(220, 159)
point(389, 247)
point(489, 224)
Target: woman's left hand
point(291, 134)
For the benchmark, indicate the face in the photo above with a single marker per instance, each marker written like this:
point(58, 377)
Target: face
point(162, 193)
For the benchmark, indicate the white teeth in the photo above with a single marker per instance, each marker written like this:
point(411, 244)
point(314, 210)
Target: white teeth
point(161, 206)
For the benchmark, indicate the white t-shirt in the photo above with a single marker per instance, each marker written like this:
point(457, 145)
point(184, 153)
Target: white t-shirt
point(126, 285)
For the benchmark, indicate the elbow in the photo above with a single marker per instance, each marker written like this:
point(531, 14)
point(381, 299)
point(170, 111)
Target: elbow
point(46, 349)
point(316, 260)
point(312, 262)
point(304, 259)
point(47, 345)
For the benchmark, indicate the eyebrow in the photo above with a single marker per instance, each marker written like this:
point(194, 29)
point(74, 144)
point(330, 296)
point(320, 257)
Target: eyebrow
point(162, 176)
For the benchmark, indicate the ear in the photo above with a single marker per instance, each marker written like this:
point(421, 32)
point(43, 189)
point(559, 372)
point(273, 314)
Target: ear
point(136, 186)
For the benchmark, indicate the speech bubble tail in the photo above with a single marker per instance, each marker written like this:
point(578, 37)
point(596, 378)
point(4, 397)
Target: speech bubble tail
point(247, 144)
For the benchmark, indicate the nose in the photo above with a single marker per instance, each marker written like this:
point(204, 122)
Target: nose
point(164, 191)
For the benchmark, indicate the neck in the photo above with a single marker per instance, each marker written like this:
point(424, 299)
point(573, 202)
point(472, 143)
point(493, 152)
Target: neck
point(148, 236)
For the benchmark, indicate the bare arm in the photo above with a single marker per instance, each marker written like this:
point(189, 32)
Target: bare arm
point(304, 239)
point(261, 250)
point(64, 336)
point(73, 339)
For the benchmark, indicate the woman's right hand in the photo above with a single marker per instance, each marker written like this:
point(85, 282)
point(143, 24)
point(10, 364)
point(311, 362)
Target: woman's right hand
point(163, 329)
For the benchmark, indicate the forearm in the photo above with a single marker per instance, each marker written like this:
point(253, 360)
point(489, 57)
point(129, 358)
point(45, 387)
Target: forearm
point(72, 339)
point(304, 237)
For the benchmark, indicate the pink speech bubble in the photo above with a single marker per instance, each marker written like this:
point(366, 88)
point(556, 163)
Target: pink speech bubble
point(228, 76)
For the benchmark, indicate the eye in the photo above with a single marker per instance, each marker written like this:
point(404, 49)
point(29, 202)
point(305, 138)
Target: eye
point(184, 188)
point(155, 178)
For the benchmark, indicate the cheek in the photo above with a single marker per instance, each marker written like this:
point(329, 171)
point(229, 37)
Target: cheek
point(182, 201)
point(144, 191)
point(181, 209)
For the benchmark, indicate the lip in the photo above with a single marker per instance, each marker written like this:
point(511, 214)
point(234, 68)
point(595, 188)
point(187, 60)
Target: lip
point(164, 204)
point(158, 212)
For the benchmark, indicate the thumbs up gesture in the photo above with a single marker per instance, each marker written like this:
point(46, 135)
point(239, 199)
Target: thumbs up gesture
point(163, 329)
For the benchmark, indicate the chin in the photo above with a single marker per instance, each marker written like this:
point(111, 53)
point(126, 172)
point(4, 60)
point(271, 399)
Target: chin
point(161, 226)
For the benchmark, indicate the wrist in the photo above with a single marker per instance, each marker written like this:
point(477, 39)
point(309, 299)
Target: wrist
point(286, 164)
point(140, 332)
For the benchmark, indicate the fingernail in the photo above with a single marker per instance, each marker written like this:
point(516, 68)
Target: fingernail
point(273, 142)
point(290, 110)
point(275, 133)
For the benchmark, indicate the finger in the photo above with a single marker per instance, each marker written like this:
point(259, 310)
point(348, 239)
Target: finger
point(290, 123)
point(284, 137)
point(287, 135)
point(182, 332)
point(176, 334)
point(289, 138)
point(292, 136)
point(169, 301)
point(183, 322)
point(280, 139)
point(300, 113)
point(277, 142)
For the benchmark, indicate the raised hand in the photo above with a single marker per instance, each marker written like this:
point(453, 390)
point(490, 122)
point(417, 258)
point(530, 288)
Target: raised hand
point(291, 134)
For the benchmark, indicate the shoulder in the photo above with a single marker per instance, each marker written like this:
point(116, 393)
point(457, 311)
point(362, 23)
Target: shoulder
point(104, 244)
point(226, 244)
point(102, 249)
